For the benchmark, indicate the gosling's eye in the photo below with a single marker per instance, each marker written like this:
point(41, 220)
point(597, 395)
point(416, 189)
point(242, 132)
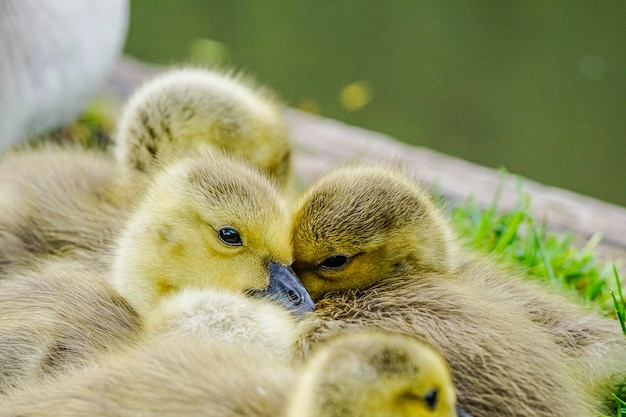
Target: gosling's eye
point(431, 398)
point(229, 236)
point(334, 262)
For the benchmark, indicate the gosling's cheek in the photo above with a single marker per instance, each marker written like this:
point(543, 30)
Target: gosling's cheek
point(313, 284)
point(307, 278)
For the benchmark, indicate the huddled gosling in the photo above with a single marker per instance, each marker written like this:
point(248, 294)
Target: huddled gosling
point(190, 109)
point(374, 250)
point(208, 221)
point(62, 316)
point(204, 221)
point(370, 373)
point(377, 375)
point(207, 210)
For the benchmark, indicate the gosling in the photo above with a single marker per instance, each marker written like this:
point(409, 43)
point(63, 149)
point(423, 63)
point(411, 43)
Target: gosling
point(203, 221)
point(62, 316)
point(208, 222)
point(71, 202)
point(371, 374)
point(187, 109)
point(374, 250)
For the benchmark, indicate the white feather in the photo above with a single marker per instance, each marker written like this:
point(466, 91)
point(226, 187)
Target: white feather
point(56, 54)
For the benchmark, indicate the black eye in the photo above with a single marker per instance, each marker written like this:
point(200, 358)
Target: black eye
point(334, 262)
point(229, 236)
point(431, 399)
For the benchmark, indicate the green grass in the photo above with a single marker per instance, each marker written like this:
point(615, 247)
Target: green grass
point(618, 301)
point(520, 241)
point(620, 407)
point(93, 129)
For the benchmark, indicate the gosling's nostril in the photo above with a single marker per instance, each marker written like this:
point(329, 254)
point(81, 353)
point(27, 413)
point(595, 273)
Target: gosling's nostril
point(294, 297)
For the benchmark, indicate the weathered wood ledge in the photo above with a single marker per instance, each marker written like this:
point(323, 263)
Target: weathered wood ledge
point(321, 144)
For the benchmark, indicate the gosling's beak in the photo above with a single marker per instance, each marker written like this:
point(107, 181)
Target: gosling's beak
point(287, 290)
point(461, 413)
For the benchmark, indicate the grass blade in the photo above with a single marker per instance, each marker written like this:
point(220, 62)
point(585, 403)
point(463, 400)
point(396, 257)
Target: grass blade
point(618, 302)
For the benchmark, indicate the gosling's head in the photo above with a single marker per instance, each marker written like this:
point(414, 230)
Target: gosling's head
point(208, 222)
point(188, 109)
point(358, 225)
point(375, 374)
point(250, 323)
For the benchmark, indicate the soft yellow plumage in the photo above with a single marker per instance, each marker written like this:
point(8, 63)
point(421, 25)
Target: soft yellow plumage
point(63, 317)
point(158, 230)
point(175, 237)
point(253, 324)
point(57, 316)
point(75, 219)
point(201, 353)
point(377, 375)
point(190, 109)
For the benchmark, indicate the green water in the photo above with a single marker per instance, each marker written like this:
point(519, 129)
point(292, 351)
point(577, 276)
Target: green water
point(538, 87)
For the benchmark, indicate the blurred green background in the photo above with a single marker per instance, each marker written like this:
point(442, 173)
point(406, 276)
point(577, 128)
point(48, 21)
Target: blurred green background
point(538, 87)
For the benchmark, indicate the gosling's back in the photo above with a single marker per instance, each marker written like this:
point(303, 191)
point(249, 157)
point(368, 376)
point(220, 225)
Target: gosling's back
point(58, 317)
point(59, 201)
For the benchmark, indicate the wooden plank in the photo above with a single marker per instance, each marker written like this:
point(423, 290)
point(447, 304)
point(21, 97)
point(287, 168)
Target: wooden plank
point(321, 144)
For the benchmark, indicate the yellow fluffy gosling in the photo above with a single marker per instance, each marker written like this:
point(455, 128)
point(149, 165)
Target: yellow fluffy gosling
point(207, 222)
point(71, 202)
point(374, 374)
point(187, 109)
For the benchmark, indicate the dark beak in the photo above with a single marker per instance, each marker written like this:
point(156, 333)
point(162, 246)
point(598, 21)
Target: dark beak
point(286, 289)
point(461, 413)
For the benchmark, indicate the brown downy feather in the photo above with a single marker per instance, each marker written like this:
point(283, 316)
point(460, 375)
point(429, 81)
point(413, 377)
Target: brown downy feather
point(60, 201)
point(502, 364)
point(373, 243)
point(594, 342)
point(56, 318)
